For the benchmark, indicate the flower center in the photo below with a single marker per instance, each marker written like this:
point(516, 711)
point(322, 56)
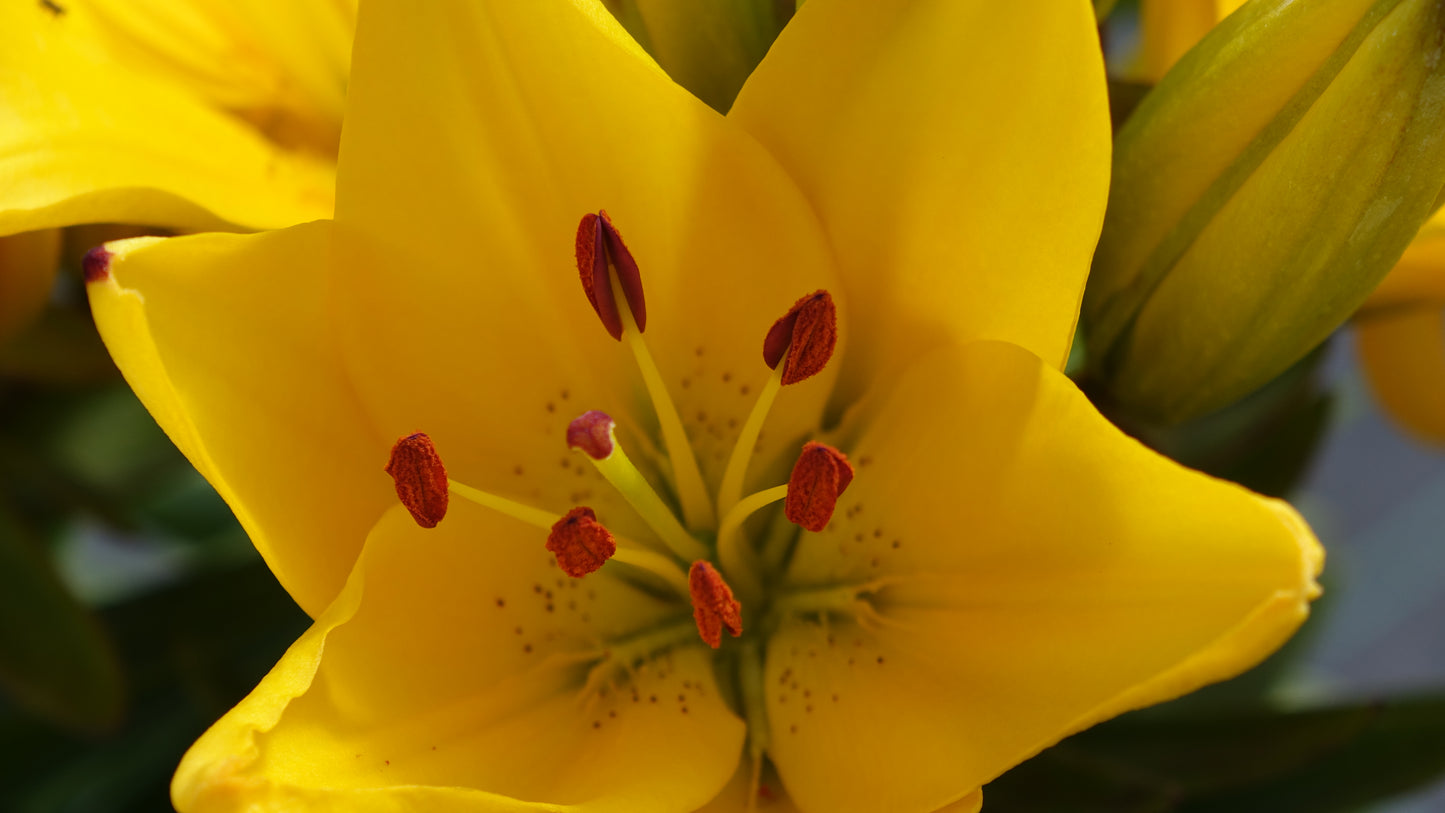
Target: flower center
point(700, 553)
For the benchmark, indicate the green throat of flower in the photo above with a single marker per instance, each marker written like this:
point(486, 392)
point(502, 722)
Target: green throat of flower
point(704, 559)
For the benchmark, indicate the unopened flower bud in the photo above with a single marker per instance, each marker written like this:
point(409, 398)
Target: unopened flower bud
point(1259, 193)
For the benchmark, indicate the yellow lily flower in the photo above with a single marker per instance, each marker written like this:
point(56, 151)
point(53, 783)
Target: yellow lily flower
point(1003, 568)
point(179, 114)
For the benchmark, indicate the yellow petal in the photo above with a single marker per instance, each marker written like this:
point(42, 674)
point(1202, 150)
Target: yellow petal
point(1403, 352)
point(456, 224)
point(27, 268)
point(1037, 571)
point(1169, 28)
point(227, 341)
point(277, 64)
point(442, 677)
point(1419, 277)
point(958, 154)
point(85, 138)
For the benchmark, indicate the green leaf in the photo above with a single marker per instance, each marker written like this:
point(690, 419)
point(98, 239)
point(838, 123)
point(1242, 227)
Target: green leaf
point(54, 659)
point(1321, 760)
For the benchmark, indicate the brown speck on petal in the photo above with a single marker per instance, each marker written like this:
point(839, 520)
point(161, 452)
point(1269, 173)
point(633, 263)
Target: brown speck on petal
point(820, 476)
point(713, 605)
point(807, 333)
point(592, 433)
point(580, 542)
point(420, 478)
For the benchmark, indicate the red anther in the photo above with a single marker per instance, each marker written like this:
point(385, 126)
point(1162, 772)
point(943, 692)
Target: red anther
point(807, 333)
point(713, 605)
point(819, 478)
point(592, 433)
point(600, 246)
point(96, 264)
point(420, 477)
point(580, 542)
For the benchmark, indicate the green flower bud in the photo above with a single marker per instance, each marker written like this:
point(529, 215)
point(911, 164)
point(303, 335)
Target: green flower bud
point(707, 46)
point(1260, 192)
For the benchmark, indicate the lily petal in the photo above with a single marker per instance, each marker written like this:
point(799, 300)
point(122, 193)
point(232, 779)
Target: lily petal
point(458, 208)
point(87, 139)
point(279, 65)
point(1169, 28)
point(934, 138)
point(1403, 353)
point(441, 678)
point(1032, 571)
point(227, 340)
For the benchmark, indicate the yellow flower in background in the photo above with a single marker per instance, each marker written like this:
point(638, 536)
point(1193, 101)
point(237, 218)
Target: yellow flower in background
point(1003, 568)
point(178, 114)
point(1401, 335)
point(1169, 28)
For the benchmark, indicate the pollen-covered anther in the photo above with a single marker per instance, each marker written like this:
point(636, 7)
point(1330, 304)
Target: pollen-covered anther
point(580, 542)
point(600, 250)
point(713, 605)
point(420, 478)
point(592, 433)
point(807, 335)
point(820, 476)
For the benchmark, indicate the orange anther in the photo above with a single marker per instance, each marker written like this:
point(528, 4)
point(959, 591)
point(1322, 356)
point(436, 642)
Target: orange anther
point(420, 478)
point(713, 605)
point(580, 542)
point(807, 333)
point(820, 476)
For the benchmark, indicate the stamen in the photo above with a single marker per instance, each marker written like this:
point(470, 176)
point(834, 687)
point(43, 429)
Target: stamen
point(599, 249)
point(736, 558)
point(420, 478)
point(821, 474)
point(593, 433)
point(581, 543)
point(808, 332)
point(713, 605)
point(417, 469)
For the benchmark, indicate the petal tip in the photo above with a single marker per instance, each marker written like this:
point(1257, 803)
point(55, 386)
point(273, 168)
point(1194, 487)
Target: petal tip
point(96, 264)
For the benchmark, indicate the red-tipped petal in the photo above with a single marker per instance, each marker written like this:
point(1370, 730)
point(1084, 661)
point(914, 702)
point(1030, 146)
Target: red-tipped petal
point(807, 334)
point(580, 542)
point(420, 478)
point(820, 476)
point(592, 433)
point(96, 264)
point(713, 605)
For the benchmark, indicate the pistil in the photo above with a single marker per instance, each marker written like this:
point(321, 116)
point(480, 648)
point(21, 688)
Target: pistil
point(580, 542)
point(610, 274)
point(593, 434)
